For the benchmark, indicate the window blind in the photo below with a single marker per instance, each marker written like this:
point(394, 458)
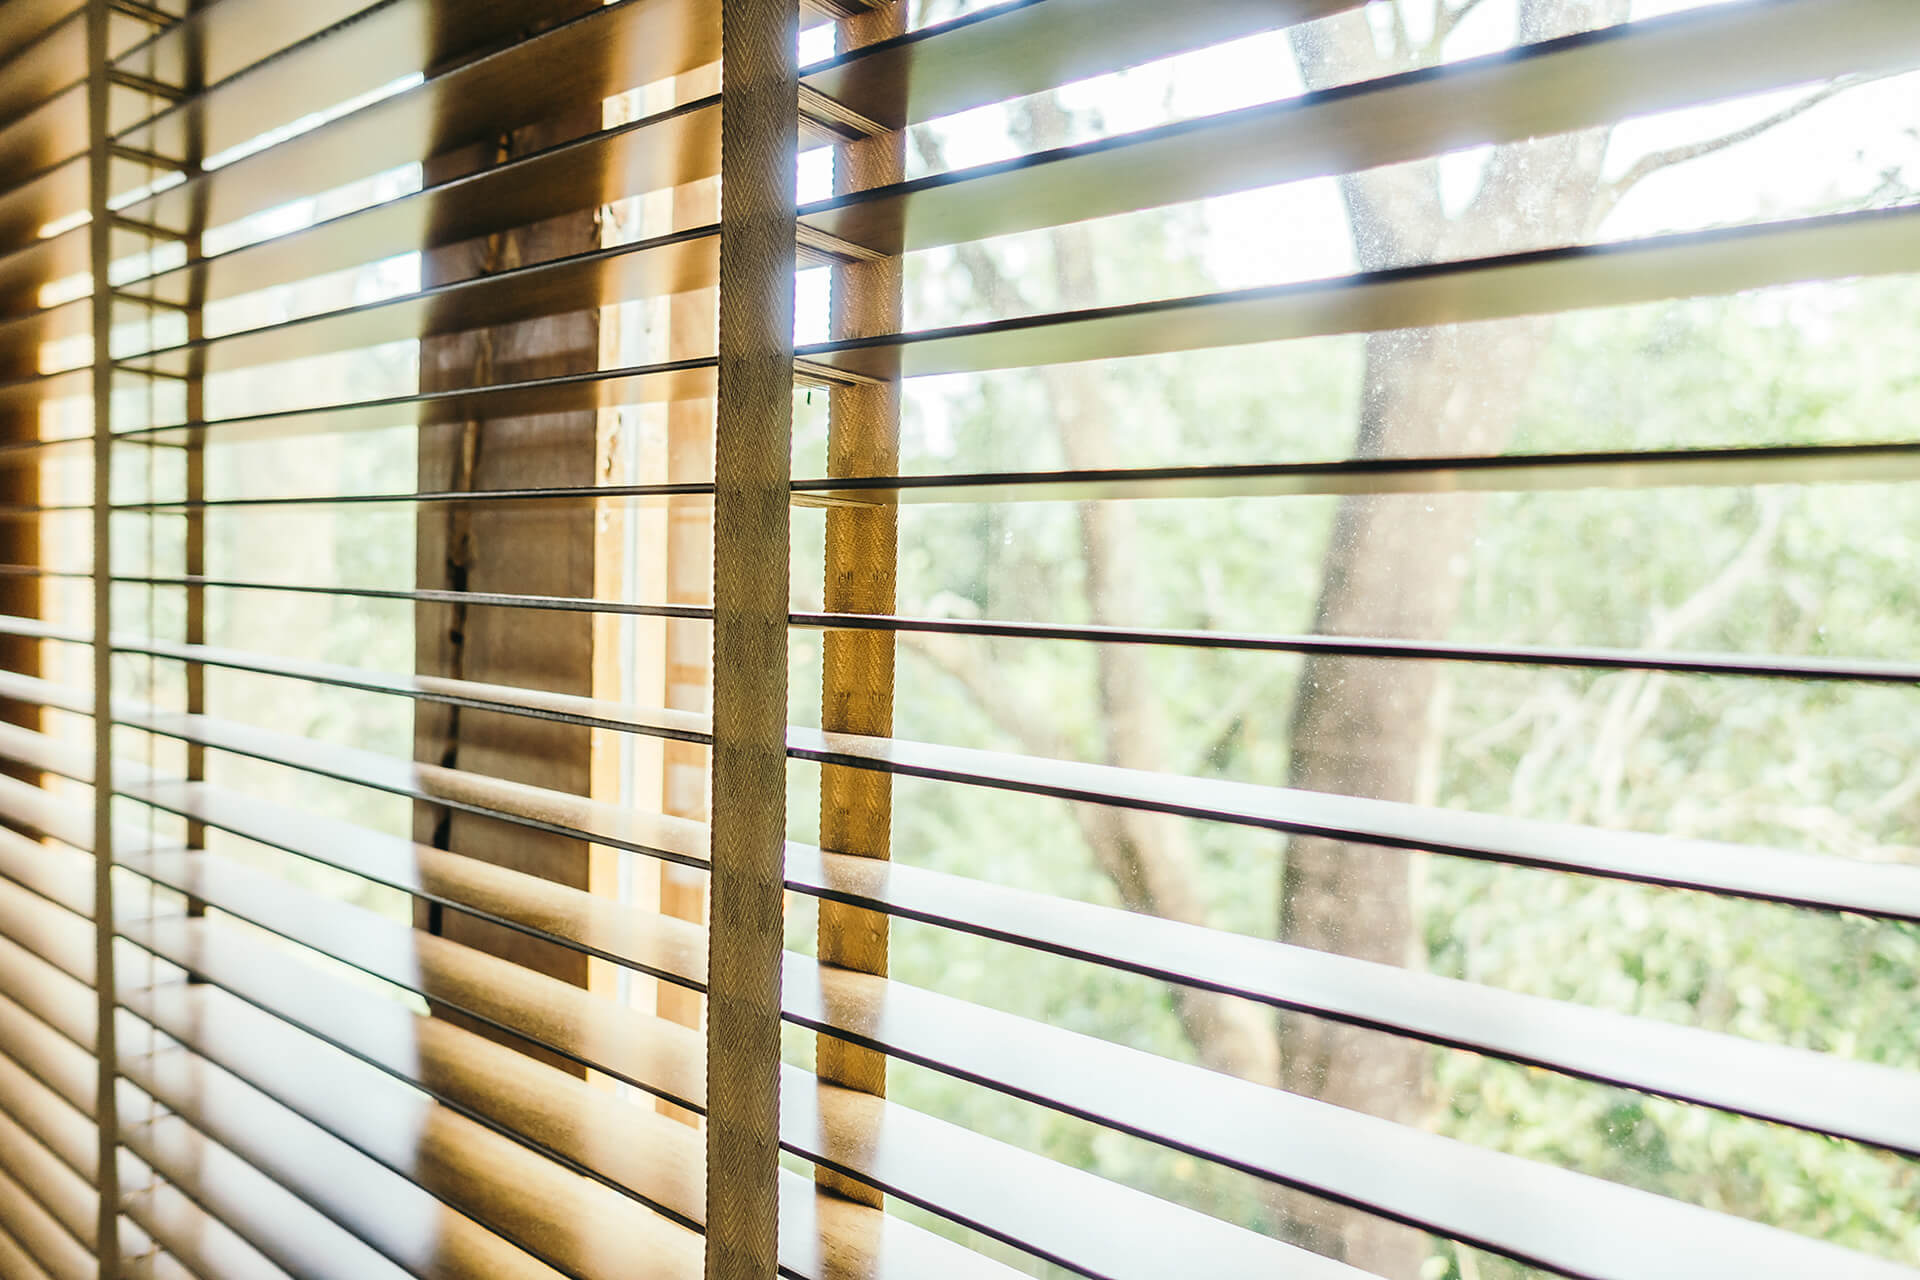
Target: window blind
point(533, 748)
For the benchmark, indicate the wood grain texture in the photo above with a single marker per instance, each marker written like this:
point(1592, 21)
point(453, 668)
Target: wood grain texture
point(752, 441)
point(862, 546)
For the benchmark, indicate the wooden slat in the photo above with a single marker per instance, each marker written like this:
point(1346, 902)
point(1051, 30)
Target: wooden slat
point(1027, 46)
point(659, 946)
point(477, 599)
point(24, 272)
point(55, 1188)
point(611, 49)
point(24, 21)
point(35, 1230)
point(48, 124)
point(16, 1261)
point(54, 194)
point(1520, 473)
point(41, 1052)
point(56, 936)
point(1762, 666)
point(1534, 1213)
point(48, 1087)
point(46, 1115)
point(655, 1158)
point(1207, 1115)
point(43, 68)
point(1820, 1092)
point(1883, 890)
point(424, 1237)
point(270, 1218)
point(1002, 1191)
point(30, 1149)
point(1825, 1094)
point(54, 62)
point(1557, 86)
point(39, 629)
point(65, 820)
point(44, 178)
point(596, 713)
point(647, 1052)
point(44, 135)
point(604, 389)
point(42, 692)
point(1881, 242)
point(202, 1243)
point(59, 875)
point(577, 1225)
point(257, 65)
point(50, 994)
point(42, 752)
point(666, 265)
point(535, 807)
point(659, 151)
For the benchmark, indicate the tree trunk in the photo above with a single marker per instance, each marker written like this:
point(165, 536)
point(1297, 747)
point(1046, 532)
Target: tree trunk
point(1395, 567)
point(1392, 568)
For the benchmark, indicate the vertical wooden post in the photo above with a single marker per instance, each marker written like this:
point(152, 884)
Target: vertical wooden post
point(856, 693)
point(752, 439)
point(100, 252)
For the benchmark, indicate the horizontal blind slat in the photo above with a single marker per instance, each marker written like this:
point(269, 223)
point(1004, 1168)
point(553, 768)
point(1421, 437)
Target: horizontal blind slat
point(416, 1232)
point(691, 379)
point(660, 946)
point(51, 1184)
point(668, 264)
point(16, 1261)
point(537, 808)
point(42, 1053)
point(260, 67)
point(656, 1158)
point(603, 52)
point(660, 1057)
point(270, 1219)
point(1535, 1213)
point(1820, 1092)
point(39, 1235)
point(1514, 473)
point(49, 993)
point(22, 22)
point(1557, 86)
point(1139, 1235)
point(673, 147)
point(576, 1225)
point(1659, 268)
point(202, 1242)
point(1011, 50)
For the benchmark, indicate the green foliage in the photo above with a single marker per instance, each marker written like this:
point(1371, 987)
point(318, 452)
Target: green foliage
point(1824, 768)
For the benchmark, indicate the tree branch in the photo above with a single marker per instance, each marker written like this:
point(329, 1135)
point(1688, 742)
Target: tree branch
point(1403, 51)
point(1226, 722)
point(989, 281)
point(1446, 20)
point(989, 691)
point(1636, 697)
point(1611, 193)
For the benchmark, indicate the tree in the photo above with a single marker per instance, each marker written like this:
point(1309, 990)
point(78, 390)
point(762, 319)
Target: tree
point(1358, 726)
